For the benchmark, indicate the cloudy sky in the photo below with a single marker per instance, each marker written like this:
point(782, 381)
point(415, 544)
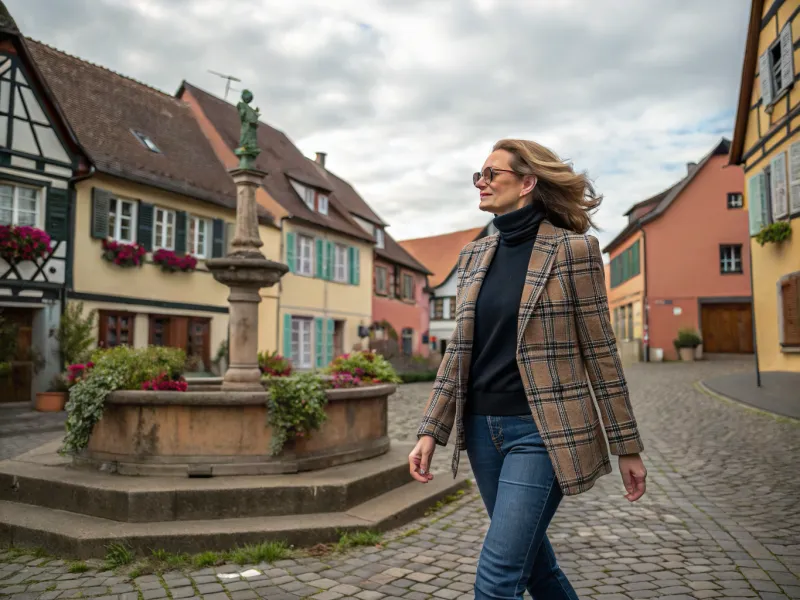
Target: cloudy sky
point(407, 97)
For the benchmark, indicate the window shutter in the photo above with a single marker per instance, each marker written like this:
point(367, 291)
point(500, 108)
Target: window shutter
point(329, 341)
point(291, 249)
point(100, 205)
point(180, 232)
point(780, 200)
point(57, 214)
point(321, 259)
point(145, 226)
point(790, 303)
point(351, 261)
point(787, 56)
point(287, 336)
point(755, 203)
point(765, 78)
point(794, 178)
point(217, 238)
point(331, 260)
point(319, 340)
point(355, 272)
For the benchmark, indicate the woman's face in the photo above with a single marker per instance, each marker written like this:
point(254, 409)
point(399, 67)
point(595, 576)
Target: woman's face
point(502, 190)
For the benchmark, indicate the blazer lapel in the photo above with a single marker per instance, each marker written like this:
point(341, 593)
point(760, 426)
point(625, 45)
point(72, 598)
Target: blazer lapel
point(541, 261)
point(474, 280)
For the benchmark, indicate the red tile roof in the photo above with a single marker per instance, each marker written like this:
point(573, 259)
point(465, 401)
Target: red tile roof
point(440, 252)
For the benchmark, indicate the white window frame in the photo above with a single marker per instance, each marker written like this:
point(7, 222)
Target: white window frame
point(385, 288)
point(735, 200)
point(407, 277)
point(305, 255)
point(340, 263)
point(116, 234)
point(38, 212)
point(728, 261)
point(160, 242)
point(380, 241)
point(322, 204)
point(305, 192)
point(302, 330)
point(194, 236)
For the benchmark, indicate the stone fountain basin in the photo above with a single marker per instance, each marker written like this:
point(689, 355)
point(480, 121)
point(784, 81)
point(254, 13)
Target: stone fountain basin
point(208, 433)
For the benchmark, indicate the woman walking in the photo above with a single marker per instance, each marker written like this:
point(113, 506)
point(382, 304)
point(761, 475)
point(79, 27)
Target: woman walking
point(532, 335)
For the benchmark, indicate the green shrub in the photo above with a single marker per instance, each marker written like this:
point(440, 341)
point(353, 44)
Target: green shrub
point(296, 407)
point(774, 233)
point(119, 368)
point(688, 338)
point(75, 334)
point(367, 366)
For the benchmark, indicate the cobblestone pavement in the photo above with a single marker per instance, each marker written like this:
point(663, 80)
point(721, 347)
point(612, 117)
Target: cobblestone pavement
point(721, 519)
point(23, 429)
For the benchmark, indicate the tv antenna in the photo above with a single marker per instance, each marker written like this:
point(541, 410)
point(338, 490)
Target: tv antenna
point(228, 79)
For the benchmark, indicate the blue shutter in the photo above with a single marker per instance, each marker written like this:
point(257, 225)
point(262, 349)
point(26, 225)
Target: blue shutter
point(290, 251)
point(329, 339)
point(755, 203)
point(331, 262)
point(320, 259)
point(287, 336)
point(356, 266)
point(319, 344)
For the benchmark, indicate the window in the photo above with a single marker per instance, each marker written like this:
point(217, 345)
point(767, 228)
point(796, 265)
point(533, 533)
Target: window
point(408, 287)
point(379, 240)
point(380, 280)
point(730, 259)
point(437, 308)
point(121, 217)
point(164, 236)
point(735, 200)
point(19, 205)
point(340, 263)
point(305, 255)
point(408, 341)
point(789, 300)
point(301, 342)
point(199, 229)
point(306, 194)
point(116, 329)
point(146, 141)
point(626, 265)
point(776, 68)
point(322, 204)
point(452, 300)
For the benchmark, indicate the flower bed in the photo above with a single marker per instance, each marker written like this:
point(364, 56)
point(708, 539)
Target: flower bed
point(124, 255)
point(18, 243)
point(360, 368)
point(170, 262)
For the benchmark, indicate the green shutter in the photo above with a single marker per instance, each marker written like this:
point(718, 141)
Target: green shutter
point(636, 258)
point(287, 336)
point(180, 232)
point(755, 203)
point(320, 259)
point(357, 265)
point(145, 228)
point(57, 214)
point(218, 238)
point(100, 206)
point(331, 262)
point(290, 251)
point(329, 341)
point(319, 342)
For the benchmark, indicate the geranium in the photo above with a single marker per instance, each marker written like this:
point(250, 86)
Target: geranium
point(124, 255)
point(163, 383)
point(345, 380)
point(171, 262)
point(364, 367)
point(18, 243)
point(77, 372)
point(273, 364)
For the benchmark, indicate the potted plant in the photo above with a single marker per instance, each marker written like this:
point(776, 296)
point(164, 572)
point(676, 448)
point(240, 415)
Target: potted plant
point(686, 343)
point(55, 398)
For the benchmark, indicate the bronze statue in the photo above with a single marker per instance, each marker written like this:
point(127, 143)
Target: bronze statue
point(248, 148)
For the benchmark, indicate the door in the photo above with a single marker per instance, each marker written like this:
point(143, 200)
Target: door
point(338, 339)
point(15, 384)
point(727, 328)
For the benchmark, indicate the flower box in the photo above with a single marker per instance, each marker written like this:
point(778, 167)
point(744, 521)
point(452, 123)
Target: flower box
point(18, 243)
point(170, 262)
point(124, 255)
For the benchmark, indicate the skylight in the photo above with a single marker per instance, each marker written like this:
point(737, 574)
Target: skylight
point(148, 143)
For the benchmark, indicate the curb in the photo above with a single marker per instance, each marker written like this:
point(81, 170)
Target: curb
point(700, 386)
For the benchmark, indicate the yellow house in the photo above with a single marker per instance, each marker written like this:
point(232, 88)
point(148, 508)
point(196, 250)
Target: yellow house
point(156, 187)
point(767, 143)
point(325, 304)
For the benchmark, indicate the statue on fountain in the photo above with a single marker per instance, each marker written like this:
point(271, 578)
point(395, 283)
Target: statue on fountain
point(248, 148)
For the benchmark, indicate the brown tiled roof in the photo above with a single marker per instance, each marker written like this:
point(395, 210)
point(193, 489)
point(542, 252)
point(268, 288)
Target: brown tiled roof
point(103, 108)
point(281, 160)
point(440, 252)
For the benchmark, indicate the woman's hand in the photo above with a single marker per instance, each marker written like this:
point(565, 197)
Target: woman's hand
point(419, 461)
point(633, 476)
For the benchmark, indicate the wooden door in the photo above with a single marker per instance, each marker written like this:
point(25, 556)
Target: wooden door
point(15, 386)
point(727, 328)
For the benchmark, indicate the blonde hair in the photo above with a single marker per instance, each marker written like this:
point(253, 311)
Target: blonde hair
point(567, 197)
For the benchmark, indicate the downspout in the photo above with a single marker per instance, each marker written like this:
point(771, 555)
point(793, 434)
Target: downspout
point(280, 292)
point(646, 306)
point(73, 208)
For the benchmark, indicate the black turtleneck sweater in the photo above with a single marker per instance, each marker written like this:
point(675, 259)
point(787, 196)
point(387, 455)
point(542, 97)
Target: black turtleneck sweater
point(495, 385)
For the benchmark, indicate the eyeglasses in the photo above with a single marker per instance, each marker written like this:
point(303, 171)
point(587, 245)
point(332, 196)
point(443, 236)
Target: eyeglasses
point(488, 174)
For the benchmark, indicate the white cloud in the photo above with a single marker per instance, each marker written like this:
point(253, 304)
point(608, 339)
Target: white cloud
point(407, 98)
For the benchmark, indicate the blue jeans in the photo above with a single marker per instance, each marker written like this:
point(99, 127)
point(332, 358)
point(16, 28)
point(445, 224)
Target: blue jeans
point(516, 480)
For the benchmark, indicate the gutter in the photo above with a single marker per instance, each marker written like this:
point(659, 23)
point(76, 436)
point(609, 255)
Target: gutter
point(72, 233)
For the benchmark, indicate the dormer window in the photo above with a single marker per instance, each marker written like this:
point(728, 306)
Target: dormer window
point(146, 141)
point(379, 241)
point(322, 204)
point(313, 199)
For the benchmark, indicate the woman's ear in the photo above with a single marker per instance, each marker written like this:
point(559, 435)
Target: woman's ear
point(528, 183)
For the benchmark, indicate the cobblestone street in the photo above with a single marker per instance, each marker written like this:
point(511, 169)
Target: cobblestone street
point(721, 519)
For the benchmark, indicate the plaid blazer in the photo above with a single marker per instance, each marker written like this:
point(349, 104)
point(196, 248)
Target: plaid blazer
point(564, 343)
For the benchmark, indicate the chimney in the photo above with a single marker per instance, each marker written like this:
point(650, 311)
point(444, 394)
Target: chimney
point(690, 167)
point(321, 159)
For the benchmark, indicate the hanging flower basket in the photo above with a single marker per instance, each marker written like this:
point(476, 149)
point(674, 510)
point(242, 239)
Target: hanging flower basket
point(124, 255)
point(171, 262)
point(18, 243)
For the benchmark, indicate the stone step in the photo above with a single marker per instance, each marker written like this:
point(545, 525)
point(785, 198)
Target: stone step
point(76, 535)
point(42, 478)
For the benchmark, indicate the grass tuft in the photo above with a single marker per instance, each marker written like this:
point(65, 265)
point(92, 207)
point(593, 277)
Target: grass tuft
point(267, 552)
point(358, 538)
point(78, 567)
point(118, 555)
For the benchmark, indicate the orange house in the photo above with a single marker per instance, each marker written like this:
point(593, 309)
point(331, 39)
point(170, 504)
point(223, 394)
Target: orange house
point(683, 261)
